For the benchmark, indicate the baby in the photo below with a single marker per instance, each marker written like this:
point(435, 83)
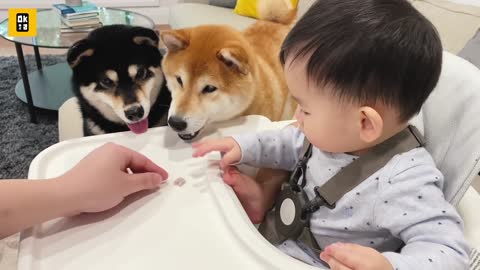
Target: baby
point(359, 70)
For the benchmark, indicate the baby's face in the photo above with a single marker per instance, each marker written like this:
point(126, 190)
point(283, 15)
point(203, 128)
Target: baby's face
point(329, 124)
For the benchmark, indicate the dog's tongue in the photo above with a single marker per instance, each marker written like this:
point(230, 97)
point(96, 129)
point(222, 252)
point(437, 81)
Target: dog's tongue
point(139, 127)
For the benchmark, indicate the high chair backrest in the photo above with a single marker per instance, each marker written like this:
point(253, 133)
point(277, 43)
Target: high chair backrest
point(450, 122)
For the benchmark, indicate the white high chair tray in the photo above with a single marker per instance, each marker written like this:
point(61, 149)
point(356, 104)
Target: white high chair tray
point(200, 225)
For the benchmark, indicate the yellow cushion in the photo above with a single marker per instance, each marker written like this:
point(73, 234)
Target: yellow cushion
point(249, 7)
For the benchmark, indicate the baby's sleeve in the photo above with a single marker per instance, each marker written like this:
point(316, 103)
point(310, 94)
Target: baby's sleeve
point(412, 207)
point(275, 149)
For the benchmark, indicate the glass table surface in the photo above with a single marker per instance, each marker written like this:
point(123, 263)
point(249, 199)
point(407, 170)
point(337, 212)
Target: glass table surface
point(48, 27)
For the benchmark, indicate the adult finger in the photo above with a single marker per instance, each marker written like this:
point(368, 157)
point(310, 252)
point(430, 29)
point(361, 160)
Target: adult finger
point(139, 163)
point(142, 181)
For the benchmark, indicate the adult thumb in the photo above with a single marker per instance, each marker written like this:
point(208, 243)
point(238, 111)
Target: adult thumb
point(142, 181)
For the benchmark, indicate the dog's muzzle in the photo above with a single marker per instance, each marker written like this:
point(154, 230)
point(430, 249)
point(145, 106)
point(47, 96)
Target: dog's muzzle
point(134, 113)
point(179, 125)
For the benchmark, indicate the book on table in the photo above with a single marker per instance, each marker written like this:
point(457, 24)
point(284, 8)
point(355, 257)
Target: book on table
point(84, 18)
point(83, 22)
point(79, 29)
point(73, 11)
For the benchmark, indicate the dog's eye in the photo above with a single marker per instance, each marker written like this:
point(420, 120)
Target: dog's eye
point(209, 89)
point(141, 74)
point(228, 63)
point(106, 82)
point(179, 80)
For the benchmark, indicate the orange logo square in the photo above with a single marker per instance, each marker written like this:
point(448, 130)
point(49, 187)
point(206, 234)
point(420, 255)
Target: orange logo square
point(22, 22)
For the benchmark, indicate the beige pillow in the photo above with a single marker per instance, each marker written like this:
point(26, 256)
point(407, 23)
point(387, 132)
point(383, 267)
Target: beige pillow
point(456, 23)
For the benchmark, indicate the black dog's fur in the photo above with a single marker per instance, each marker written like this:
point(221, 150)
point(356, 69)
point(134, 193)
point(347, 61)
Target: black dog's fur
point(116, 47)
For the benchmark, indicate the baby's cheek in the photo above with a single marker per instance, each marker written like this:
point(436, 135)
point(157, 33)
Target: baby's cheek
point(316, 135)
point(310, 133)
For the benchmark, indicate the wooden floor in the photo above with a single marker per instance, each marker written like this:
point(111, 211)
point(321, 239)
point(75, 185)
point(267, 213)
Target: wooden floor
point(7, 48)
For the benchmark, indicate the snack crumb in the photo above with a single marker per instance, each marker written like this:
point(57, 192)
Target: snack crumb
point(179, 181)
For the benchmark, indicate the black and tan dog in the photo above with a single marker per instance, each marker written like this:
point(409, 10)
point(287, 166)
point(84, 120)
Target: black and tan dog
point(119, 82)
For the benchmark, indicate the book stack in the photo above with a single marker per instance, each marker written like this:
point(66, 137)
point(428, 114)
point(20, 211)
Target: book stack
point(75, 19)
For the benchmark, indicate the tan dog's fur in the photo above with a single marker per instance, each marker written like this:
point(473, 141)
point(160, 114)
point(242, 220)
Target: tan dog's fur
point(243, 66)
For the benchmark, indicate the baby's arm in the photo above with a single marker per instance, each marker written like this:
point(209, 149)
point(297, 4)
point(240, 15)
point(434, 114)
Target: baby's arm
point(429, 226)
point(275, 149)
point(278, 149)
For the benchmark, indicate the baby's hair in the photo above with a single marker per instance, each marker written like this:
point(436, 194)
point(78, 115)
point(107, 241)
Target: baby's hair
point(368, 51)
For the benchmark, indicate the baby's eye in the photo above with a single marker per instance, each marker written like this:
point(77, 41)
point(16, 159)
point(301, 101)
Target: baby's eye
point(304, 112)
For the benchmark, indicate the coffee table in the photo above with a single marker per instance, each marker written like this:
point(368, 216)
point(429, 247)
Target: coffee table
point(52, 85)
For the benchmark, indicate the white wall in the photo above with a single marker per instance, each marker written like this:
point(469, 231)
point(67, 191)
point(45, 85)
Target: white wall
point(157, 10)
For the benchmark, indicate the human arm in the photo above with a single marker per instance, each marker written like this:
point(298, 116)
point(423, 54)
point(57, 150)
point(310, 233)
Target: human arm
point(97, 183)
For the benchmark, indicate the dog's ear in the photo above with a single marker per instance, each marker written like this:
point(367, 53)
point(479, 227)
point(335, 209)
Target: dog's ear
point(163, 51)
point(234, 58)
point(175, 40)
point(79, 51)
point(145, 36)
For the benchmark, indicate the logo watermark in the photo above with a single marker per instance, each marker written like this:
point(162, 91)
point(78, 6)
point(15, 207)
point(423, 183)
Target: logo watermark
point(22, 22)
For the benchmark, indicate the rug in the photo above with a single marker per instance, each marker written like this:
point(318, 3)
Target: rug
point(21, 140)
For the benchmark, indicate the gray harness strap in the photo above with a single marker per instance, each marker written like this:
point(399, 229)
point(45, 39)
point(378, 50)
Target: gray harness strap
point(267, 227)
point(343, 182)
point(366, 165)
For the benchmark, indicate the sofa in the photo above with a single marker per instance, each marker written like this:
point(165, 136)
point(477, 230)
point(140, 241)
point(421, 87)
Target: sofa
point(441, 12)
point(197, 12)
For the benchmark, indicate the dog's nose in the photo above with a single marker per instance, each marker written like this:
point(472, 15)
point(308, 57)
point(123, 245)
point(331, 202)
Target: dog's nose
point(134, 113)
point(177, 123)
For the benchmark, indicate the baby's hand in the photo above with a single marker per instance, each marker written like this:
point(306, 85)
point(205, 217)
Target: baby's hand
point(228, 146)
point(341, 256)
point(100, 181)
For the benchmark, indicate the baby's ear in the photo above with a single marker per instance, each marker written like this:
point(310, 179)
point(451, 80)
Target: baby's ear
point(371, 124)
point(78, 51)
